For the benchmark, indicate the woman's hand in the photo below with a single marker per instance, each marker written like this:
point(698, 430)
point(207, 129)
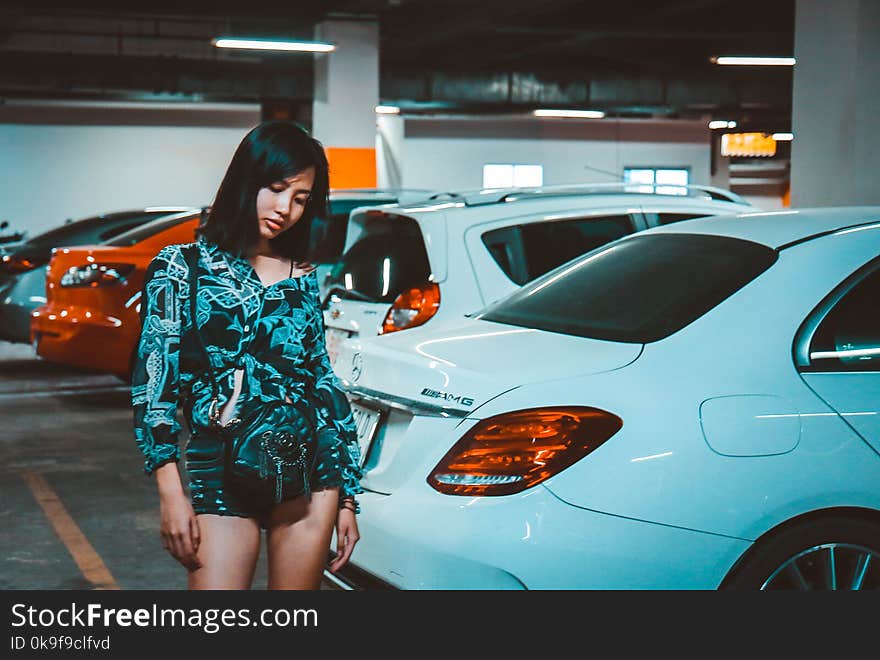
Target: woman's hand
point(180, 527)
point(346, 537)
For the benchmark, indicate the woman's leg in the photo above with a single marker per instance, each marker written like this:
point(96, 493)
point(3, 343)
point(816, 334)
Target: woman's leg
point(299, 538)
point(229, 550)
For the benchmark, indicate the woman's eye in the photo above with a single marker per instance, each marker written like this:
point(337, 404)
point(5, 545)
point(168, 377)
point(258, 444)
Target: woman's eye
point(302, 201)
point(277, 187)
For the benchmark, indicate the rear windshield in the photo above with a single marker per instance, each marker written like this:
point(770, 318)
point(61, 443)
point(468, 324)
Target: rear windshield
point(388, 258)
point(93, 230)
point(144, 232)
point(639, 289)
point(527, 251)
point(329, 233)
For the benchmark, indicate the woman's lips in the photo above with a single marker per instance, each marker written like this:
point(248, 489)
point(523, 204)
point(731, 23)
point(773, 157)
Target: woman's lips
point(274, 226)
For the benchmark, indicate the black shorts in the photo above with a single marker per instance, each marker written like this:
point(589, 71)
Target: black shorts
point(208, 487)
point(210, 491)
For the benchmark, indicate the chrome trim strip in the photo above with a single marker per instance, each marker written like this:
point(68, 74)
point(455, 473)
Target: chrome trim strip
point(400, 403)
point(803, 359)
point(335, 580)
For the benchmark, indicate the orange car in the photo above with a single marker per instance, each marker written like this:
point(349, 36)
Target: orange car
point(92, 315)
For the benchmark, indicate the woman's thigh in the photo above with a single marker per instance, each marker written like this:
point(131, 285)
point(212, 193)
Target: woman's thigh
point(228, 552)
point(299, 536)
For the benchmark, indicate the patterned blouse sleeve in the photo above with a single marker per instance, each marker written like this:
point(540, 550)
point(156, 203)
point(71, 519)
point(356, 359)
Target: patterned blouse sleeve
point(155, 383)
point(335, 422)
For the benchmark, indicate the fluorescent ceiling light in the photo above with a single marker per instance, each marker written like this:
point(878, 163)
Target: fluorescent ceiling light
point(783, 137)
point(387, 110)
point(754, 61)
point(582, 114)
point(269, 44)
point(722, 123)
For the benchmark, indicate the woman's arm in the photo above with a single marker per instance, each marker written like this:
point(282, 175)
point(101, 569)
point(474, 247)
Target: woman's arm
point(155, 389)
point(334, 415)
point(155, 379)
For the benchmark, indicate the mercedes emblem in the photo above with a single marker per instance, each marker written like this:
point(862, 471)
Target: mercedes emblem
point(357, 366)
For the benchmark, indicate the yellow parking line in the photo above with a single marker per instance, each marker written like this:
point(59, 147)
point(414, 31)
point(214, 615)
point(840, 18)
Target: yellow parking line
point(89, 562)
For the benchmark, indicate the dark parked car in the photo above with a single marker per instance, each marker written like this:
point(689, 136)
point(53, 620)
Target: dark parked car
point(8, 236)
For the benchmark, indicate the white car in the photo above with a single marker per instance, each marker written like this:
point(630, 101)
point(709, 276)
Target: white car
point(456, 252)
point(330, 231)
point(692, 407)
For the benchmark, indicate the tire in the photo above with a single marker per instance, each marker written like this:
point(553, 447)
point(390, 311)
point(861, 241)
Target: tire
point(802, 557)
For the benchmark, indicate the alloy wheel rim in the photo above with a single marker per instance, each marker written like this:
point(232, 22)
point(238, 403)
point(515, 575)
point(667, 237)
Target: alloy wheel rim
point(829, 566)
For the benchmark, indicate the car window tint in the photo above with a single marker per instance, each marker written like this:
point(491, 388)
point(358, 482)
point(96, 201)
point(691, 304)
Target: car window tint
point(110, 232)
point(328, 234)
point(389, 257)
point(848, 339)
point(90, 230)
point(527, 251)
point(640, 289)
point(669, 218)
point(143, 232)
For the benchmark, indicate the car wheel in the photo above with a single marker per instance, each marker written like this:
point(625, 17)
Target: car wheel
point(828, 554)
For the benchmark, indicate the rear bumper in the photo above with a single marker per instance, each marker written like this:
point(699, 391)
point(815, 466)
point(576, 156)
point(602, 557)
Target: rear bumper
point(79, 338)
point(425, 540)
point(352, 578)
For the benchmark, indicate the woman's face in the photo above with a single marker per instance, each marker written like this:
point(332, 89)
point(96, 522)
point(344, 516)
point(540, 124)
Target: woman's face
point(280, 205)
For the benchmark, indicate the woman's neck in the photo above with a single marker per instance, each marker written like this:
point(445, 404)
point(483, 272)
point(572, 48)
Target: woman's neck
point(262, 249)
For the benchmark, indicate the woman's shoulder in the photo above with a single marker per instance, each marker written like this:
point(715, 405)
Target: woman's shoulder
point(173, 258)
point(310, 276)
point(172, 252)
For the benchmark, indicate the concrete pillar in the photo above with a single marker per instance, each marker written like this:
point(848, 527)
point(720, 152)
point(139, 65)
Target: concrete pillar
point(720, 168)
point(346, 96)
point(835, 156)
point(389, 150)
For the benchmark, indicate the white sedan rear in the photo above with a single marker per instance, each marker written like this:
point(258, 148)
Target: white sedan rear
point(693, 407)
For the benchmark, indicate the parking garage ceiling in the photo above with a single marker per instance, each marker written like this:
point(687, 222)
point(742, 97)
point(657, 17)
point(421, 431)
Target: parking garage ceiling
point(633, 59)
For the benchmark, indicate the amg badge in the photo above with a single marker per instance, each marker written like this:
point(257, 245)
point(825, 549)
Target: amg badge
point(463, 400)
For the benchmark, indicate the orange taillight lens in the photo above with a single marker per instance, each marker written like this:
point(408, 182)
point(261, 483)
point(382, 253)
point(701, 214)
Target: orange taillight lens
point(13, 264)
point(508, 453)
point(412, 307)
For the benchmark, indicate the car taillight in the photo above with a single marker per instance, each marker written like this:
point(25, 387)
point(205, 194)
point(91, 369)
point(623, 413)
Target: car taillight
point(412, 307)
point(96, 275)
point(12, 264)
point(508, 453)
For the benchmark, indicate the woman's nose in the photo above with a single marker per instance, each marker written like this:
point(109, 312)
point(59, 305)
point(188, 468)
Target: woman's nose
point(282, 205)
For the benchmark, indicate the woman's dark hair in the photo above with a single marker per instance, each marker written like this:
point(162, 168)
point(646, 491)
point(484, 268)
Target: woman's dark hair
point(273, 151)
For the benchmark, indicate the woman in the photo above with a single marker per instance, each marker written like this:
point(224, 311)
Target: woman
point(259, 319)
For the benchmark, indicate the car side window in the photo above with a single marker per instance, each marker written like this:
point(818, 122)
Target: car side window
point(527, 251)
point(848, 338)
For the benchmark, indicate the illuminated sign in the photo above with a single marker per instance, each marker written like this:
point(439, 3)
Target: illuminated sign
point(748, 144)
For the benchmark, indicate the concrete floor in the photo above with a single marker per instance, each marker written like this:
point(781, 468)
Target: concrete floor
point(76, 510)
